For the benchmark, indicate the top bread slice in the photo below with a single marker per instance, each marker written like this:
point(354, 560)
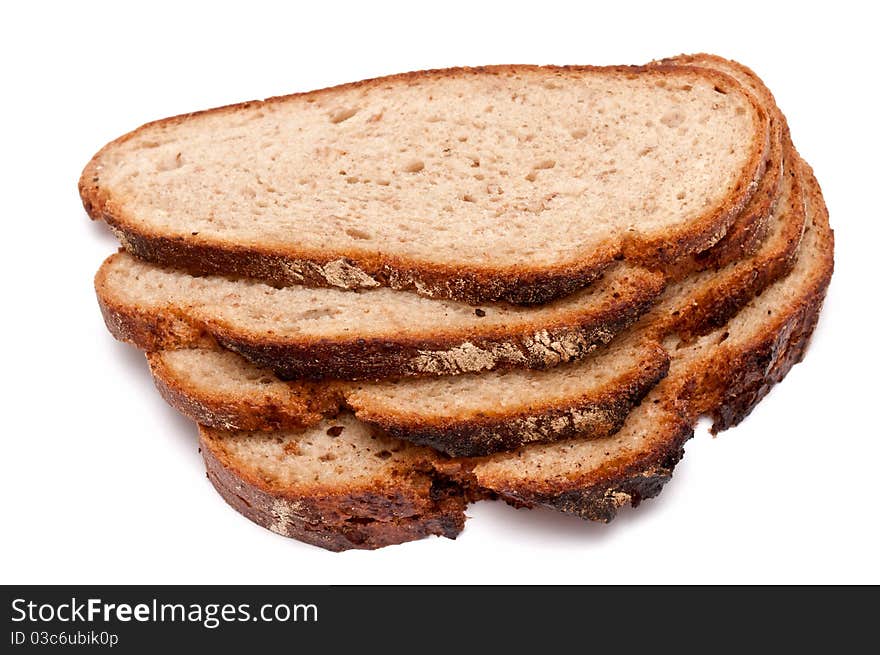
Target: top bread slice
point(515, 183)
point(343, 485)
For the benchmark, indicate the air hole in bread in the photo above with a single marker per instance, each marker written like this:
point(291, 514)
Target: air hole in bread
point(673, 118)
point(171, 163)
point(355, 233)
point(414, 166)
point(323, 312)
point(341, 115)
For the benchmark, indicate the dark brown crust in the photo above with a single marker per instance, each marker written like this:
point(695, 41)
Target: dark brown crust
point(594, 416)
point(600, 502)
point(517, 284)
point(376, 360)
point(766, 365)
point(405, 509)
point(359, 359)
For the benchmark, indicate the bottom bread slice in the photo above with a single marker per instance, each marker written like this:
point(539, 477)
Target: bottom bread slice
point(344, 485)
point(339, 485)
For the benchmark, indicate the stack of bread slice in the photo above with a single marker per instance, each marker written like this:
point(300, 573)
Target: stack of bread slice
point(386, 300)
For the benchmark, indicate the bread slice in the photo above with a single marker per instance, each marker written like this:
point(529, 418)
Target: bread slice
point(302, 332)
point(338, 485)
point(275, 480)
point(478, 414)
point(515, 183)
point(748, 232)
point(463, 416)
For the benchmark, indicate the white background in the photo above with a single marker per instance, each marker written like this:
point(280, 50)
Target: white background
point(101, 482)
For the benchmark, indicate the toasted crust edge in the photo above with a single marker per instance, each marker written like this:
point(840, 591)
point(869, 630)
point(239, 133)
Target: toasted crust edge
point(468, 284)
point(630, 485)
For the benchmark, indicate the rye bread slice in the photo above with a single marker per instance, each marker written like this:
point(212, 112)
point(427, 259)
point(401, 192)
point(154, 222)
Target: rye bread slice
point(478, 414)
point(303, 332)
point(338, 485)
point(514, 183)
point(722, 374)
point(461, 416)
